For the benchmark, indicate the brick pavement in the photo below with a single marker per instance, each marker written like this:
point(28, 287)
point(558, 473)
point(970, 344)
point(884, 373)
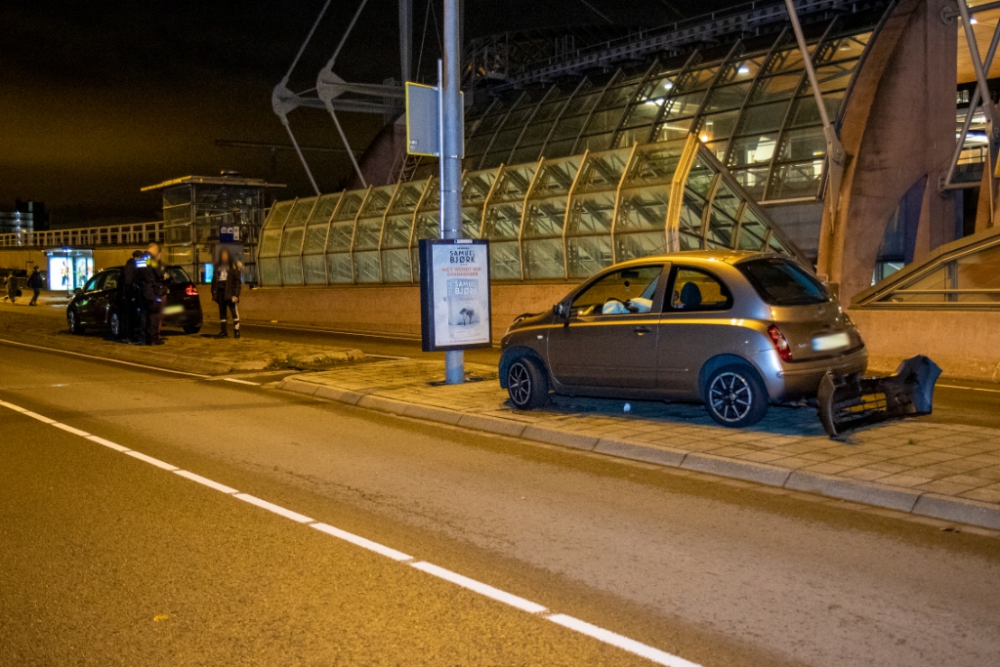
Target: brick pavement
point(950, 471)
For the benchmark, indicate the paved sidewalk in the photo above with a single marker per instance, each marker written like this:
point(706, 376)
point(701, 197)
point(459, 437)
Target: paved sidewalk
point(946, 471)
point(198, 353)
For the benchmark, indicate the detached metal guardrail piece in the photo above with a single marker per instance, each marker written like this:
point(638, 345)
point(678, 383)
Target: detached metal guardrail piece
point(846, 403)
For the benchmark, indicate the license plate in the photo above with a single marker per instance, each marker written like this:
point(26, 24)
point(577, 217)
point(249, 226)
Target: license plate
point(173, 310)
point(831, 342)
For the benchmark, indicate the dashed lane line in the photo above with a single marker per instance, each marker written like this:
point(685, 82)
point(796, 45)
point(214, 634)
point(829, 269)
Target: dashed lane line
point(603, 635)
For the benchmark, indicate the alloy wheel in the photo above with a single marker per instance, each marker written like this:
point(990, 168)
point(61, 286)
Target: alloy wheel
point(115, 325)
point(731, 396)
point(519, 384)
point(71, 317)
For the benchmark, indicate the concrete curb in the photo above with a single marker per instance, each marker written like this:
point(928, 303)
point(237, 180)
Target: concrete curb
point(958, 510)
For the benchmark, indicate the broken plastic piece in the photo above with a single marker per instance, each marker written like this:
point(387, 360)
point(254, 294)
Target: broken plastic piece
point(846, 403)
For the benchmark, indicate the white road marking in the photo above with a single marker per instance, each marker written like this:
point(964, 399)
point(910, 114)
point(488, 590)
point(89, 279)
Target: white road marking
point(35, 415)
point(569, 622)
point(149, 459)
point(252, 384)
point(481, 588)
point(955, 386)
point(91, 357)
point(107, 443)
point(362, 542)
point(630, 645)
point(385, 356)
point(271, 507)
point(70, 429)
point(207, 482)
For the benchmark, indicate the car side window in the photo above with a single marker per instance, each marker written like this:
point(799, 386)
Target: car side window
point(621, 292)
point(110, 280)
point(697, 290)
point(91, 285)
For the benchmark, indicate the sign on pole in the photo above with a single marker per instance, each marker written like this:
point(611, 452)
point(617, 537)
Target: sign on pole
point(423, 121)
point(455, 294)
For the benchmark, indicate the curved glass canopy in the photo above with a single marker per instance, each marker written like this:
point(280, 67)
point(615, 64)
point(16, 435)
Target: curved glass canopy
point(562, 218)
point(754, 109)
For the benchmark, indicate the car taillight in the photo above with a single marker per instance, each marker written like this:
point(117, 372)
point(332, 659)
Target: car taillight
point(780, 342)
point(191, 290)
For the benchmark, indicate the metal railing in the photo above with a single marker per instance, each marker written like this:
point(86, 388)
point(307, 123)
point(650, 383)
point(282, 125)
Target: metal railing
point(104, 235)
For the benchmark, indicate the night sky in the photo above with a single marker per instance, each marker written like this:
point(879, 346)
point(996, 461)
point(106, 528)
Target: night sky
point(99, 98)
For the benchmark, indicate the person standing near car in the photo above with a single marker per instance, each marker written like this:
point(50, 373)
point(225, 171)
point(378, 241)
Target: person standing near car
point(35, 282)
point(227, 283)
point(152, 292)
point(11, 289)
point(128, 306)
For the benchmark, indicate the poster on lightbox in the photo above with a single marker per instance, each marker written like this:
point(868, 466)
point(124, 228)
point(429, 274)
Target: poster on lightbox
point(455, 294)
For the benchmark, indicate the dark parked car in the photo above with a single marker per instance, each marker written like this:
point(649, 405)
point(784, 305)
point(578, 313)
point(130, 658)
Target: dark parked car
point(735, 330)
point(95, 306)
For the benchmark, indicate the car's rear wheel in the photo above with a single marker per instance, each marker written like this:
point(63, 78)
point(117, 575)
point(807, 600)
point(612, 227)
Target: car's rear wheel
point(115, 324)
point(735, 396)
point(73, 320)
point(192, 328)
point(527, 384)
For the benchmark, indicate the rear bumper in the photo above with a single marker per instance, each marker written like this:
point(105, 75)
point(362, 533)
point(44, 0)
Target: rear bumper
point(794, 381)
point(186, 318)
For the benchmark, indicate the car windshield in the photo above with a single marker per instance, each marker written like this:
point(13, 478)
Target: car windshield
point(782, 283)
point(176, 274)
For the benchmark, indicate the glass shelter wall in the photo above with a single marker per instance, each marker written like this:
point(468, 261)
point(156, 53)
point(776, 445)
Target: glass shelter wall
point(753, 108)
point(554, 219)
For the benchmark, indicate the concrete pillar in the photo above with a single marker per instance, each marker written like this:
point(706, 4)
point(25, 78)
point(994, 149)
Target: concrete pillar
point(899, 126)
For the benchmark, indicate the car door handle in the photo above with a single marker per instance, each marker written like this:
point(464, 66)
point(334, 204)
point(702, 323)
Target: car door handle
point(642, 331)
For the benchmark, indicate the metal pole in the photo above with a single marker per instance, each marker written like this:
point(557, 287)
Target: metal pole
point(302, 158)
point(450, 162)
point(405, 38)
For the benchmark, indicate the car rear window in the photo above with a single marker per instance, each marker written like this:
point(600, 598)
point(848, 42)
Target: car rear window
point(176, 274)
point(782, 283)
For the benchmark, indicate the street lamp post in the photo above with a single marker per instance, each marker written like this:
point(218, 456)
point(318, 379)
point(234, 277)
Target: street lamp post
point(451, 149)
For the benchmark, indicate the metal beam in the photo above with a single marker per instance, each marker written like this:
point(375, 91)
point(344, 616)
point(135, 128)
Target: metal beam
point(834, 149)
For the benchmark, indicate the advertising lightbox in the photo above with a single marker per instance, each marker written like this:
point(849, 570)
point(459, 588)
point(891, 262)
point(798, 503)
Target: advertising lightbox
point(455, 294)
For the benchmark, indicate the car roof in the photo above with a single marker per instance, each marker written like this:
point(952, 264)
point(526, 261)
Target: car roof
point(727, 256)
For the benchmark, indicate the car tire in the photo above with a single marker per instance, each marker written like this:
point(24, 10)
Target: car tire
point(527, 384)
point(115, 324)
point(192, 328)
point(73, 320)
point(735, 396)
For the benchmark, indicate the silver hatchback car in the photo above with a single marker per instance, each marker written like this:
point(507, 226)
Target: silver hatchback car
point(735, 330)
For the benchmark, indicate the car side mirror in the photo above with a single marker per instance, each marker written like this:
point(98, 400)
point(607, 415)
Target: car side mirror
point(78, 290)
point(559, 310)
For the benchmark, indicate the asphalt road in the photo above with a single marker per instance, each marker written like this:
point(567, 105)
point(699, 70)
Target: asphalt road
point(106, 559)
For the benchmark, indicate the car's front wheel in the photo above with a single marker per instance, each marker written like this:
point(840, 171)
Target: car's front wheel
point(192, 328)
point(73, 320)
point(115, 324)
point(735, 396)
point(527, 384)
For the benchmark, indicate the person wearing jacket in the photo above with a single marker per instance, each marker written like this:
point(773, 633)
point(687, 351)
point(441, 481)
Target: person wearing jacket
point(128, 301)
point(152, 292)
point(227, 282)
point(35, 282)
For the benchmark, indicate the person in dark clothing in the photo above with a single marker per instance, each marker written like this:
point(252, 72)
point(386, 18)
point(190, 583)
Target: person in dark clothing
point(128, 302)
point(11, 289)
point(152, 291)
point(227, 282)
point(35, 282)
